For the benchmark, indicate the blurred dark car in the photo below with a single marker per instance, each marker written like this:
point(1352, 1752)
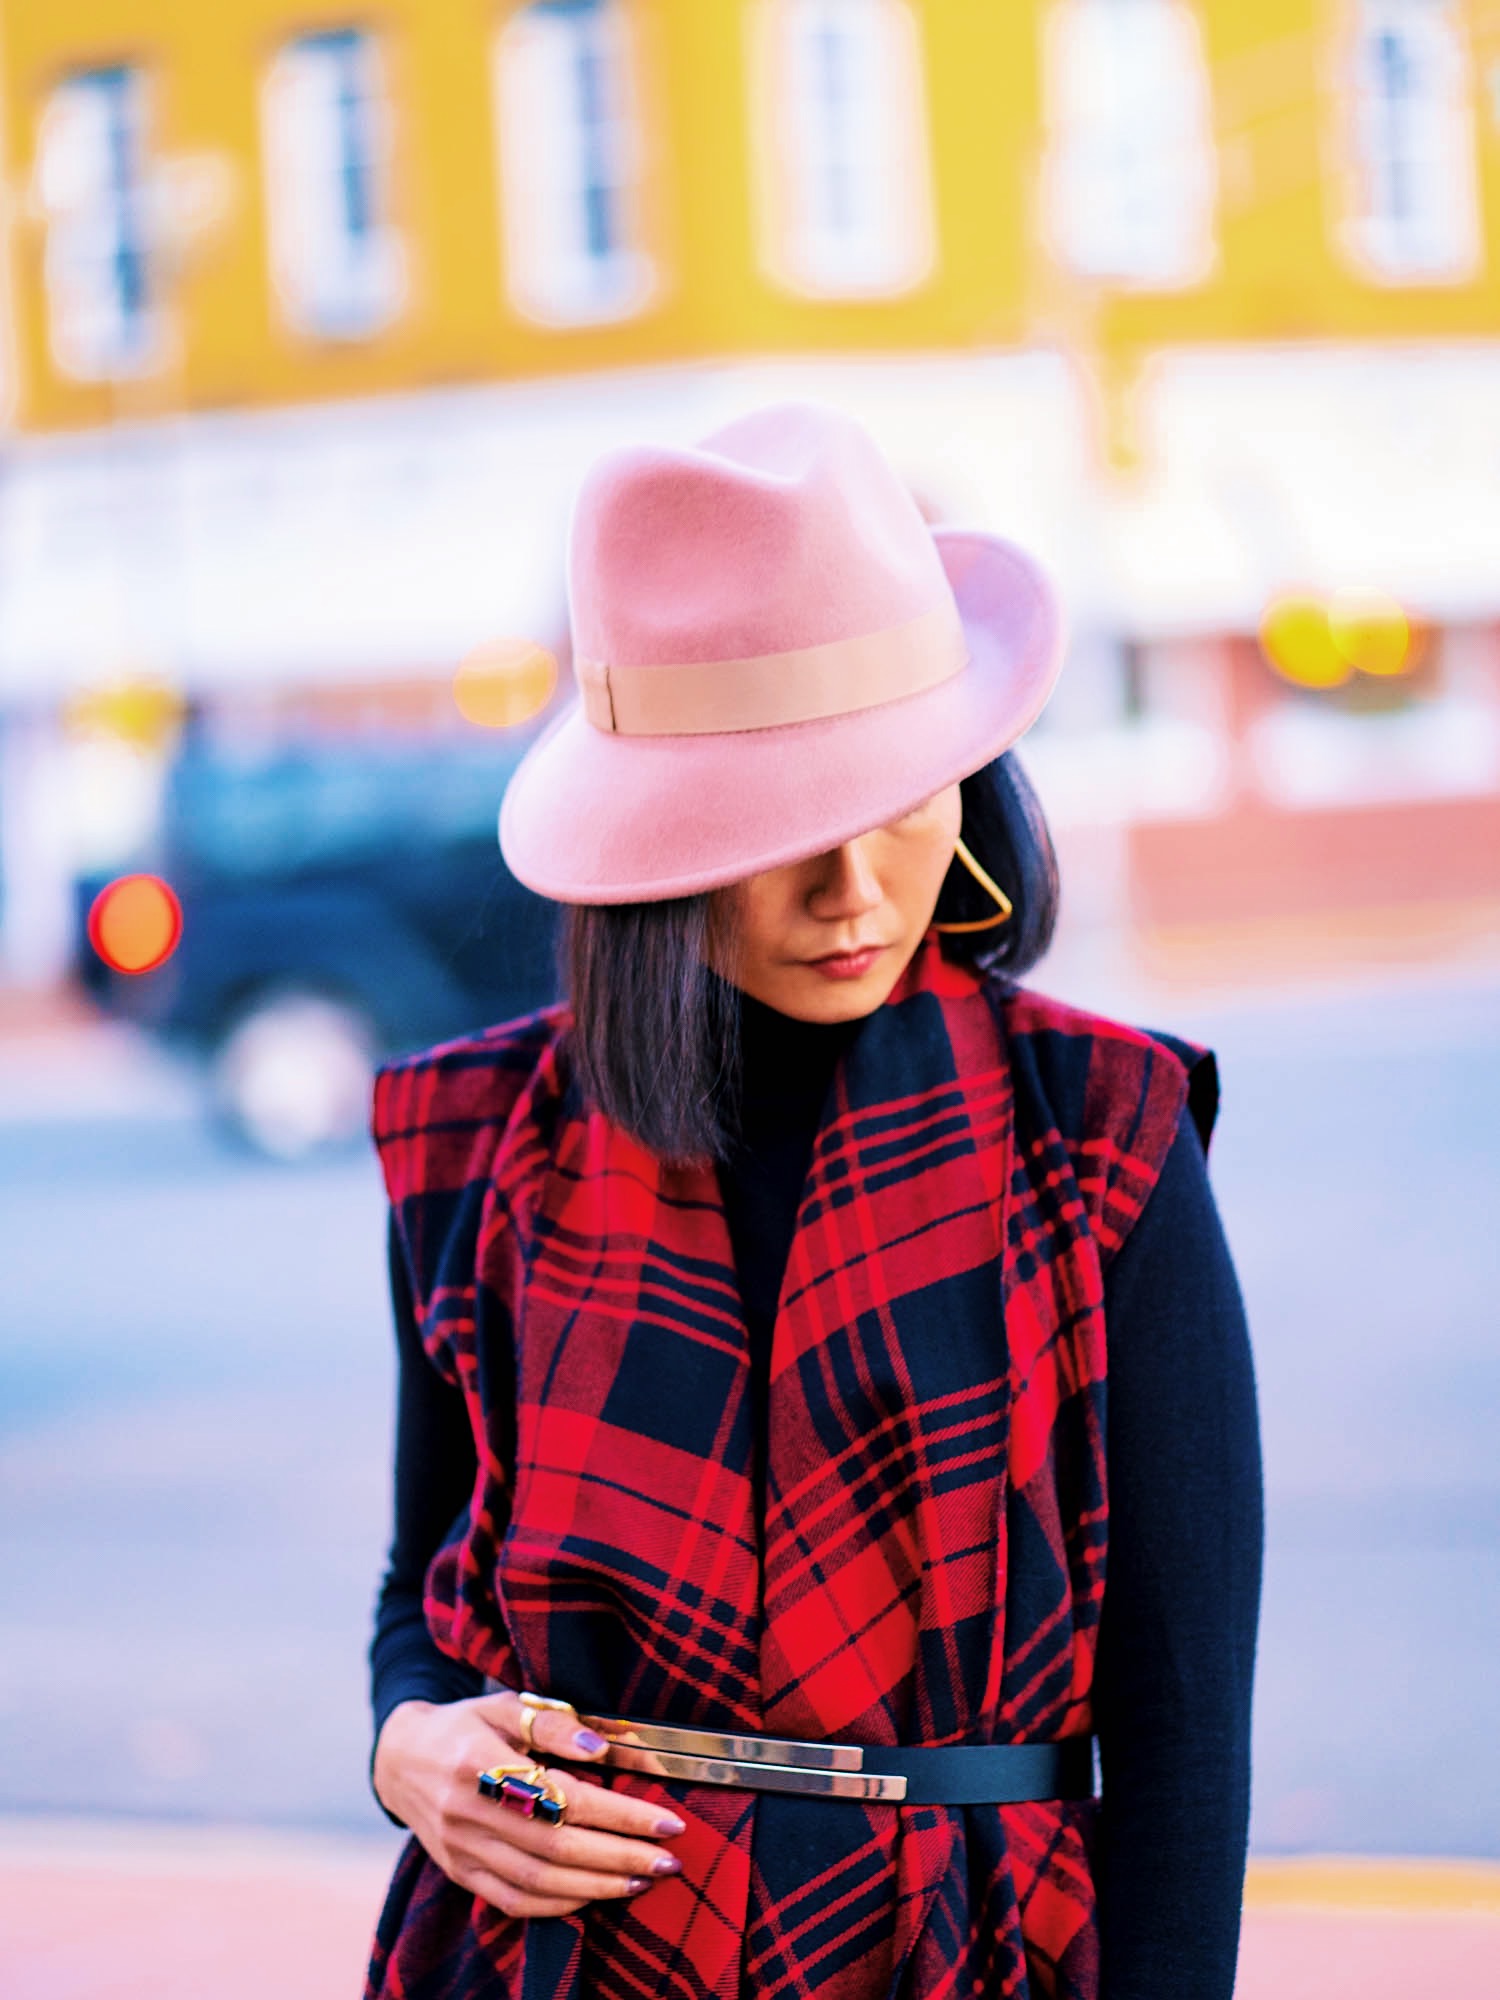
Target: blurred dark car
point(338, 902)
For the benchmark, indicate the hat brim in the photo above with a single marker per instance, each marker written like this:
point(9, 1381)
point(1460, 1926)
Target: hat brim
point(591, 817)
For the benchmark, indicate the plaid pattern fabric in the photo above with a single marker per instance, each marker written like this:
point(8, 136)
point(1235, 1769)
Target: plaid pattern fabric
point(931, 1561)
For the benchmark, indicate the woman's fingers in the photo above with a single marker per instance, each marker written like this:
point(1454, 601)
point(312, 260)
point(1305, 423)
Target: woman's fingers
point(574, 1844)
point(429, 1758)
point(541, 1879)
point(608, 1846)
point(532, 1867)
point(592, 1804)
point(518, 1902)
point(589, 1802)
point(556, 1732)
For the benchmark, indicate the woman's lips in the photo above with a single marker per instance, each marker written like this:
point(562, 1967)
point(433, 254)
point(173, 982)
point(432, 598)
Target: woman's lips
point(847, 964)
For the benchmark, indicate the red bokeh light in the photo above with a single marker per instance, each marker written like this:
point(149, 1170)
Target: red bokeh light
point(135, 923)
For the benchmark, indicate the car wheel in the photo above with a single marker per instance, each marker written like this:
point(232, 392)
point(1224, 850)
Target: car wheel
point(292, 1076)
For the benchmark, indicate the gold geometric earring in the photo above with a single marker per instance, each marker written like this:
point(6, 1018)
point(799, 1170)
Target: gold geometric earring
point(1006, 909)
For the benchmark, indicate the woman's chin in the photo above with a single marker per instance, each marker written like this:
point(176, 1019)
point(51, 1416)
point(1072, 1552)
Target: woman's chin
point(810, 993)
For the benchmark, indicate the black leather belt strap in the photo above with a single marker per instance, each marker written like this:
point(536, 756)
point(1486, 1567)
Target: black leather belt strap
point(974, 1774)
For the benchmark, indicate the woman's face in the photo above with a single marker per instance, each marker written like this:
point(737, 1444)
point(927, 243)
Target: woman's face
point(827, 939)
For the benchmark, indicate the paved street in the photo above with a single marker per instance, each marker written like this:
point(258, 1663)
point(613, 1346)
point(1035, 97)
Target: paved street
point(194, 1413)
point(221, 1914)
point(1358, 1173)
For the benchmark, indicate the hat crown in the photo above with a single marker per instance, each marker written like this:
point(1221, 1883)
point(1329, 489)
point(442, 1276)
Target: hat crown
point(784, 530)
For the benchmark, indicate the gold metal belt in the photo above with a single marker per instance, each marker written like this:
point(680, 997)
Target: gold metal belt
point(916, 1774)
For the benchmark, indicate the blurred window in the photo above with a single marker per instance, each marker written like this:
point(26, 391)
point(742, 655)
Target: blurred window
point(1414, 202)
point(1100, 686)
point(338, 263)
point(840, 122)
point(1130, 174)
point(92, 185)
point(1137, 729)
point(570, 162)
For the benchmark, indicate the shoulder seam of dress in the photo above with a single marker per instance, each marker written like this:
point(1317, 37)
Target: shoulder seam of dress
point(1029, 1011)
point(1128, 1175)
point(475, 1083)
point(536, 1029)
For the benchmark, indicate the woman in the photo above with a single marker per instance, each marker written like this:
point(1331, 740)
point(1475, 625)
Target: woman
point(768, 1554)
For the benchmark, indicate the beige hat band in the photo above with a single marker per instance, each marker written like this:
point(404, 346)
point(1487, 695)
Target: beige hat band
point(713, 697)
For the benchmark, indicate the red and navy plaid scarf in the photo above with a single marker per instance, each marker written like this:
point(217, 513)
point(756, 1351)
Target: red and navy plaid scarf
point(933, 1554)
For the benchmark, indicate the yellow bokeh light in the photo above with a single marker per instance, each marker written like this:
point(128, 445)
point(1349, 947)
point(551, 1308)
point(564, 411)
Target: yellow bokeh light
point(1297, 638)
point(504, 683)
point(143, 712)
point(1371, 631)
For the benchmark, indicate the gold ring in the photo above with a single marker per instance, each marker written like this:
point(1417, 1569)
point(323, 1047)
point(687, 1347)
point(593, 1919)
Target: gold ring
point(556, 1794)
point(528, 1789)
point(530, 1703)
point(517, 1770)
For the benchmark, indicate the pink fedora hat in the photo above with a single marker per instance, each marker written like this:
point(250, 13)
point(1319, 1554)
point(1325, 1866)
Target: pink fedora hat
point(774, 654)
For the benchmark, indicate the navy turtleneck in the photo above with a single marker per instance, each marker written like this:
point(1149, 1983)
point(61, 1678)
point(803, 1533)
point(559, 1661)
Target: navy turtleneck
point(785, 1071)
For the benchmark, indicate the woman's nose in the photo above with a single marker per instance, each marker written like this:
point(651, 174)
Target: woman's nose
point(847, 884)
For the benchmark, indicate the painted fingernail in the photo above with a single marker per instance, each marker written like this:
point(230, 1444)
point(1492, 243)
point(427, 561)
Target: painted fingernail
point(635, 1885)
point(670, 1823)
point(666, 1864)
point(590, 1740)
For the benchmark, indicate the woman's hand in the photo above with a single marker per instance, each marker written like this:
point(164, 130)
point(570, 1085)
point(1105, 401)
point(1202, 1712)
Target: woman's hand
point(427, 1764)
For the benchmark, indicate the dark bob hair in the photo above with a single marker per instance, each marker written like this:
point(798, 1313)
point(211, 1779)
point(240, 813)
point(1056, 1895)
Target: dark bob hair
point(655, 1034)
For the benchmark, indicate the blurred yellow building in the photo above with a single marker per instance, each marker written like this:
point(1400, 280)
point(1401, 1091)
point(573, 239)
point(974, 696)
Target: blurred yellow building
point(254, 203)
point(312, 317)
